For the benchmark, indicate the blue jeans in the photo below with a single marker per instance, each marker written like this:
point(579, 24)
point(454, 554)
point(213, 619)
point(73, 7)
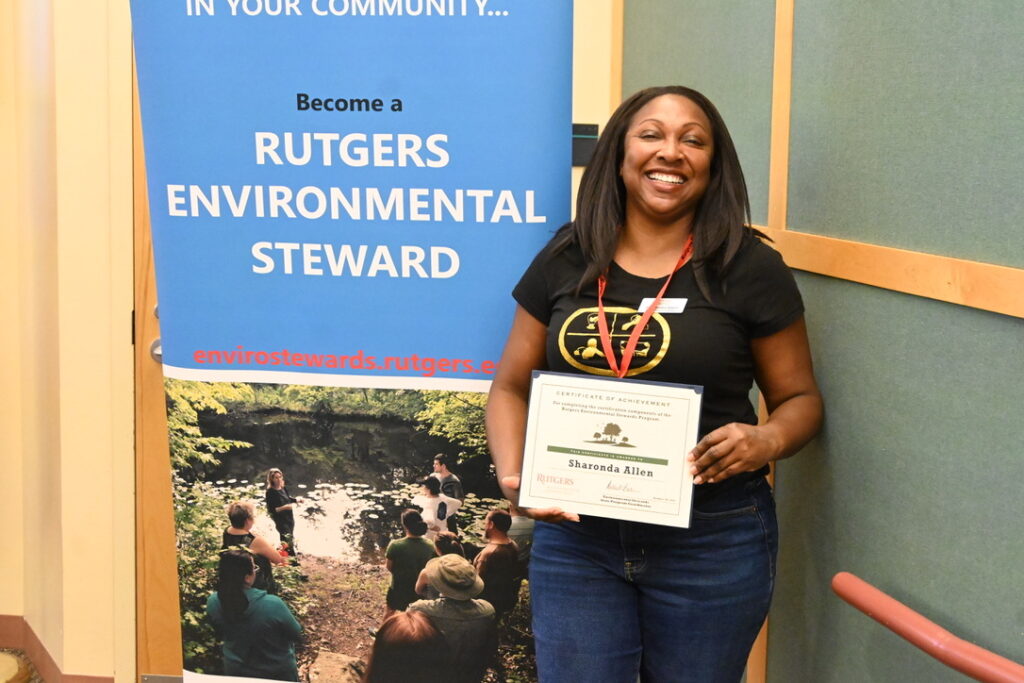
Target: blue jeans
point(611, 599)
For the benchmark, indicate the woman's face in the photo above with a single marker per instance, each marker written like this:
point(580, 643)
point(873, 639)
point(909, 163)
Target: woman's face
point(666, 162)
point(277, 480)
point(250, 578)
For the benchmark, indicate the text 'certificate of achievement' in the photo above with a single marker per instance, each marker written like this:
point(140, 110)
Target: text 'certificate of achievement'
point(610, 447)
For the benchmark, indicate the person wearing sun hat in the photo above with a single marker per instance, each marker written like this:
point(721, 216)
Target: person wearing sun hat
point(468, 624)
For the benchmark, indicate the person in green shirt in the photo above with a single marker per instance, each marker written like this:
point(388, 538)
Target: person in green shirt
point(405, 559)
point(258, 629)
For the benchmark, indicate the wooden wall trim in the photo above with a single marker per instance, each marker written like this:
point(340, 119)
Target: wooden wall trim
point(40, 657)
point(968, 283)
point(12, 631)
point(778, 195)
point(157, 611)
point(975, 284)
point(782, 98)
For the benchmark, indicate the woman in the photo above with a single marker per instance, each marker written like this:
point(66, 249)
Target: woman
point(663, 202)
point(408, 647)
point(239, 534)
point(258, 629)
point(405, 559)
point(437, 507)
point(449, 544)
point(280, 505)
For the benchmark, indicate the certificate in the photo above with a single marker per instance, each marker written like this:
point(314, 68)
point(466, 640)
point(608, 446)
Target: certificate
point(610, 447)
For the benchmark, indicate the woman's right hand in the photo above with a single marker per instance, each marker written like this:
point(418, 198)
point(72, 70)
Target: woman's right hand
point(506, 409)
point(510, 487)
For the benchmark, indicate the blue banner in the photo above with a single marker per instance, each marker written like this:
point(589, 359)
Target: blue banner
point(344, 192)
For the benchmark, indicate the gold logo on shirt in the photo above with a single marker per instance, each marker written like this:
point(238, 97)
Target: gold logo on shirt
point(579, 340)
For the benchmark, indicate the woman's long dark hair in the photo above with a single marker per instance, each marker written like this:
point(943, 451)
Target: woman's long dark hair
point(408, 647)
point(721, 218)
point(235, 566)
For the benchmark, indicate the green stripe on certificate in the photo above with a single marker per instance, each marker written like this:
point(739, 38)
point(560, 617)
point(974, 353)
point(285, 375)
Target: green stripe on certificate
point(608, 456)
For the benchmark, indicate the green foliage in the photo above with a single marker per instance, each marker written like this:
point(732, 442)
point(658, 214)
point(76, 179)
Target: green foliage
point(473, 512)
point(190, 449)
point(459, 417)
point(399, 404)
point(200, 519)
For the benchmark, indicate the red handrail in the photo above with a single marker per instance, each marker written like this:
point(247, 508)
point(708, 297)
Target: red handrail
point(978, 663)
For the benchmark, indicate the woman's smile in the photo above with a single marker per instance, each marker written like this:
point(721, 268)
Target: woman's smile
point(666, 177)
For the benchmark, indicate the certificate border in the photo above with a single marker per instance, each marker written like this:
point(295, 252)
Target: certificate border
point(677, 518)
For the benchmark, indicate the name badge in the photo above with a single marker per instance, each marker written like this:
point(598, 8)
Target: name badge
point(666, 305)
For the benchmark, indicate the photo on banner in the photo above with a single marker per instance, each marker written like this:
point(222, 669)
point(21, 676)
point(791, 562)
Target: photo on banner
point(342, 195)
point(352, 460)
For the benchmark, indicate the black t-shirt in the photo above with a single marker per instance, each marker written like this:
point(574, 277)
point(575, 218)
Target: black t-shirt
point(708, 344)
point(278, 498)
point(265, 575)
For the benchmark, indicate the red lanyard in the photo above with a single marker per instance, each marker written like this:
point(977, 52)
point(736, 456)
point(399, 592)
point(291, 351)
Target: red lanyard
point(620, 370)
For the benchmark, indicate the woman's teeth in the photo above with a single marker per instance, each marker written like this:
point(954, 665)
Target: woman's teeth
point(667, 178)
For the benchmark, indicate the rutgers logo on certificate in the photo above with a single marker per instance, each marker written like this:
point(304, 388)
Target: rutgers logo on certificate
point(610, 447)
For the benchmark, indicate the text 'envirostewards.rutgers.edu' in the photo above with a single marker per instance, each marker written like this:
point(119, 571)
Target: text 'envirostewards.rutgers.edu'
point(424, 365)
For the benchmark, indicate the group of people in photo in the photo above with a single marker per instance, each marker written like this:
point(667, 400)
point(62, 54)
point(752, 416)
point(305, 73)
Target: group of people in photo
point(445, 600)
point(444, 584)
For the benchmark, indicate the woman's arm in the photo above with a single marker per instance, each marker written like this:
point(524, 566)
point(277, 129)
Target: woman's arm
point(453, 505)
point(421, 583)
point(278, 501)
point(261, 546)
point(506, 407)
point(785, 376)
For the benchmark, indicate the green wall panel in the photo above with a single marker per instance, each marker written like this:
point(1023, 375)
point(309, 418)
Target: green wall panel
point(724, 50)
point(906, 125)
point(914, 485)
point(906, 131)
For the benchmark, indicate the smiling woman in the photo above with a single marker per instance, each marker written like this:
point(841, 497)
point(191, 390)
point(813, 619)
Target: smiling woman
point(663, 205)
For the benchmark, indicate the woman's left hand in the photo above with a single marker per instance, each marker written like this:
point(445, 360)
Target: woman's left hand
point(782, 368)
point(729, 450)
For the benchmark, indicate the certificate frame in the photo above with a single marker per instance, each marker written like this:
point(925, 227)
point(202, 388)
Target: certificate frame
point(610, 447)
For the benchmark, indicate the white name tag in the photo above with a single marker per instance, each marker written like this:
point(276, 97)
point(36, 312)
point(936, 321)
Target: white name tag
point(666, 305)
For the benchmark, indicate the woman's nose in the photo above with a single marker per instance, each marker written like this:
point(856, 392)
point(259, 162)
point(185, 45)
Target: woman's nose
point(670, 150)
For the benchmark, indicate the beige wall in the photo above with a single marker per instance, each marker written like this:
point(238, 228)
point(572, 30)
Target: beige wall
point(11, 574)
point(66, 411)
